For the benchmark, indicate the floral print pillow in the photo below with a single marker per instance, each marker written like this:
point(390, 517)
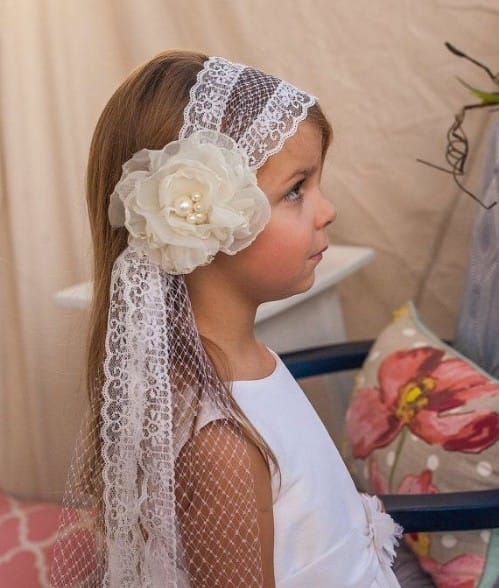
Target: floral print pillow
point(424, 419)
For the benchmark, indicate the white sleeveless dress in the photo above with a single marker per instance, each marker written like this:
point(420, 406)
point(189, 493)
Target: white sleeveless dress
point(326, 535)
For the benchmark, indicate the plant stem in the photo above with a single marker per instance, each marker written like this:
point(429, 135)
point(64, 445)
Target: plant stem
point(398, 451)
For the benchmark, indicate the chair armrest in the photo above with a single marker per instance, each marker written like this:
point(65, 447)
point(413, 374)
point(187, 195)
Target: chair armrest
point(327, 359)
point(446, 511)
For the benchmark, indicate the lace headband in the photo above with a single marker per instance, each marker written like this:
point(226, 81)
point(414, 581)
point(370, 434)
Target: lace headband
point(257, 110)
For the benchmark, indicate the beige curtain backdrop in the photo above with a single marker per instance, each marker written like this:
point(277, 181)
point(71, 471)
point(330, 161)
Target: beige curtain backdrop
point(382, 74)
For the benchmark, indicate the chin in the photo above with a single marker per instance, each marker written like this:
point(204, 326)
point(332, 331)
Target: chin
point(303, 286)
point(291, 289)
point(307, 286)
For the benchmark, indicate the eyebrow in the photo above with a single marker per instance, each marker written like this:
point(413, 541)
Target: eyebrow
point(307, 171)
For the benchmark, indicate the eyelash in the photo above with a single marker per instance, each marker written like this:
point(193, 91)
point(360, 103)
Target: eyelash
point(295, 191)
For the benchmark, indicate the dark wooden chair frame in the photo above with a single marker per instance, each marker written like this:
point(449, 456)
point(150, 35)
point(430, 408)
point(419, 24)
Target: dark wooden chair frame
point(456, 511)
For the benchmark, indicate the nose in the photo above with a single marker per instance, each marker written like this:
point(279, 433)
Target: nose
point(326, 211)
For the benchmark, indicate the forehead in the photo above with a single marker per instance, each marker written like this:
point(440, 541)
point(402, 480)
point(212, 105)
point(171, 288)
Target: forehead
point(302, 151)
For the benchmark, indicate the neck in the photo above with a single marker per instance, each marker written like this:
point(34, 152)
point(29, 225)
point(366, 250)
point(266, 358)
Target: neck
point(226, 317)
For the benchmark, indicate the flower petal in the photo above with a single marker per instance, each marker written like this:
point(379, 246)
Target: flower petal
point(401, 367)
point(418, 484)
point(470, 432)
point(462, 571)
point(458, 382)
point(146, 195)
point(370, 424)
point(383, 531)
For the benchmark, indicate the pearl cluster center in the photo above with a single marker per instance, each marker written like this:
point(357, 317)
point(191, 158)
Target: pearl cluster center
point(190, 207)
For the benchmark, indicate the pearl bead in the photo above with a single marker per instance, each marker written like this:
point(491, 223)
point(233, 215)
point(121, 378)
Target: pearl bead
point(190, 208)
point(183, 206)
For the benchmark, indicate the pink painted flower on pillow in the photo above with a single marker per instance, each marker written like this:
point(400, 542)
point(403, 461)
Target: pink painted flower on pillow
point(420, 484)
point(459, 572)
point(417, 389)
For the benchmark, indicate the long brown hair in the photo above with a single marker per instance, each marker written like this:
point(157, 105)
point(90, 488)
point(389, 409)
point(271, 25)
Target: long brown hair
point(146, 111)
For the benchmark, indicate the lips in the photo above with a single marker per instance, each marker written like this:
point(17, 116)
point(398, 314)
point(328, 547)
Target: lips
point(319, 253)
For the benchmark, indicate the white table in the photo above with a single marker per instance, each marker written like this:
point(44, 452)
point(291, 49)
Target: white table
point(305, 320)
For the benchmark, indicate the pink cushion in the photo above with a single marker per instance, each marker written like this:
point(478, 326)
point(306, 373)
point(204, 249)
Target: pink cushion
point(27, 535)
point(28, 532)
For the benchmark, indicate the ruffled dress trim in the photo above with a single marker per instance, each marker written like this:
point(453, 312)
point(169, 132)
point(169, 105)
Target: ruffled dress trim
point(383, 531)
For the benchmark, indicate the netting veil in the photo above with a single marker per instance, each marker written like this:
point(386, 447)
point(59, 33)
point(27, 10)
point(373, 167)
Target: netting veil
point(172, 501)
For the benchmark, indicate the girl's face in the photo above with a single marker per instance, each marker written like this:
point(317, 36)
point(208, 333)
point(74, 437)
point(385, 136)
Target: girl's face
point(282, 259)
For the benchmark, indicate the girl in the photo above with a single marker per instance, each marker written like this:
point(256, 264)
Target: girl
point(204, 465)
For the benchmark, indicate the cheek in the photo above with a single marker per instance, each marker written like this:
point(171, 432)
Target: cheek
point(263, 253)
point(274, 266)
point(274, 240)
point(276, 255)
point(282, 245)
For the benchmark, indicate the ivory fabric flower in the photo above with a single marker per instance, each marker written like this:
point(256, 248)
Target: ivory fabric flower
point(382, 530)
point(418, 388)
point(186, 202)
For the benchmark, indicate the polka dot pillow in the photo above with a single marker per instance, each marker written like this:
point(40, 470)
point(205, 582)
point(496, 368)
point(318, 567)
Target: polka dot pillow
point(424, 419)
point(28, 532)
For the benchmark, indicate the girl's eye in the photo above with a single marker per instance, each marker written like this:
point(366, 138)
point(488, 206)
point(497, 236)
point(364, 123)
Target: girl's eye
point(294, 193)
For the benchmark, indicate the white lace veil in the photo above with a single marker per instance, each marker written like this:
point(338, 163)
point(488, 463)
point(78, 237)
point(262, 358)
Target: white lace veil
point(173, 504)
